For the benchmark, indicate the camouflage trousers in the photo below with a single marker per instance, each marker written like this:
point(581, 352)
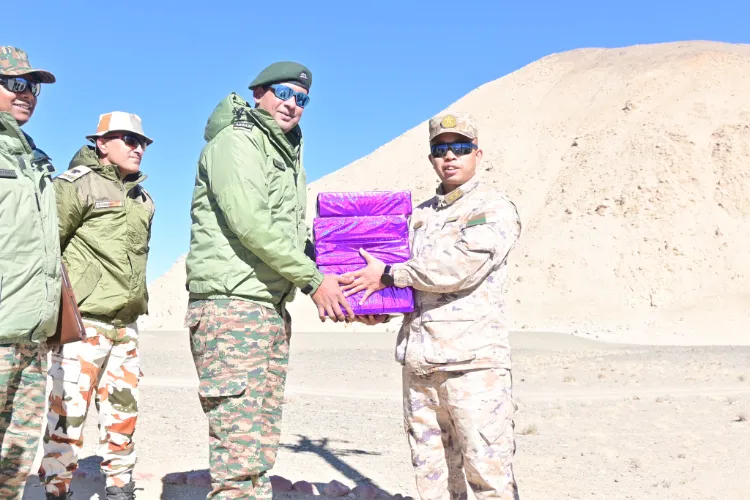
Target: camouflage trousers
point(22, 386)
point(240, 350)
point(460, 428)
point(106, 365)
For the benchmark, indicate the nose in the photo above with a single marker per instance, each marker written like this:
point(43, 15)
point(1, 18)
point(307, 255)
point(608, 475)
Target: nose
point(450, 155)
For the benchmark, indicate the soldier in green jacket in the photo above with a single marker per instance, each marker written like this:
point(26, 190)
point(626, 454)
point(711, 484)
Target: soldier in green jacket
point(105, 226)
point(29, 270)
point(247, 258)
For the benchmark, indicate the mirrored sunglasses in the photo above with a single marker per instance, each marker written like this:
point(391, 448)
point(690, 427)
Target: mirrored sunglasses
point(283, 92)
point(19, 84)
point(458, 148)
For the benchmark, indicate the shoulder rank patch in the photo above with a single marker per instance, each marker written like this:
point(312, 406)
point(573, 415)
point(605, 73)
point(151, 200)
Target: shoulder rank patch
point(279, 164)
point(74, 173)
point(107, 204)
point(480, 218)
point(243, 124)
point(418, 224)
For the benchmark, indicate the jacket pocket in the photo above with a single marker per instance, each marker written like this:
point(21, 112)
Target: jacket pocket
point(448, 341)
point(84, 286)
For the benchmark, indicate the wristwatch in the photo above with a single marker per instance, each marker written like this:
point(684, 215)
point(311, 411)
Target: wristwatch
point(387, 278)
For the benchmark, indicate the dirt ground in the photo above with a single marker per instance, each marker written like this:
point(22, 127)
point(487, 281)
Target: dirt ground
point(596, 420)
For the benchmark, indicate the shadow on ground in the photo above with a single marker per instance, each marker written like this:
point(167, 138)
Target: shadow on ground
point(189, 483)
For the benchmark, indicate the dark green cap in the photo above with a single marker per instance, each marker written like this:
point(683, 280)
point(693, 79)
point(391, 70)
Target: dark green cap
point(284, 71)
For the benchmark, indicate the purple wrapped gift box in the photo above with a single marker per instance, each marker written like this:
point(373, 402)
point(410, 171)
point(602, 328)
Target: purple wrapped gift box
point(364, 203)
point(389, 300)
point(376, 221)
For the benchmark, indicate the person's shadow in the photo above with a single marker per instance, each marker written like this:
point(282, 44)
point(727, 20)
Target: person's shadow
point(320, 447)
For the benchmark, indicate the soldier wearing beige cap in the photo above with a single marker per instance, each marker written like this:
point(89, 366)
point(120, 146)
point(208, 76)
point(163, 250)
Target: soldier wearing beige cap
point(105, 227)
point(454, 348)
point(29, 270)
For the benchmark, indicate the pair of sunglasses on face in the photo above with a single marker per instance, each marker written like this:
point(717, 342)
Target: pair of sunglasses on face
point(18, 85)
point(284, 93)
point(458, 148)
point(130, 140)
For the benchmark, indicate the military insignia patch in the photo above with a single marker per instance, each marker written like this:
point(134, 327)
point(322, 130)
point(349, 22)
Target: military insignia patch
point(481, 218)
point(418, 224)
point(6, 173)
point(448, 121)
point(279, 164)
point(242, 124)
point(107, 204)
point(74, 173)
point(452, 219)
point(454, 196)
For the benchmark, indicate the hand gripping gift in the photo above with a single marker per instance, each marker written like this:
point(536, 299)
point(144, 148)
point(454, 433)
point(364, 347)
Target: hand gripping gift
point(377, 221)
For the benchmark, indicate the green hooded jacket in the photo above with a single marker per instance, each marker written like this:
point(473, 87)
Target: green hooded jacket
point(248, 237)
point(105, 230)
point(29, 247)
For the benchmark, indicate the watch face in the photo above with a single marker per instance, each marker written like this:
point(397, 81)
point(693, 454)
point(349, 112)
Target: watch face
point(386, 279)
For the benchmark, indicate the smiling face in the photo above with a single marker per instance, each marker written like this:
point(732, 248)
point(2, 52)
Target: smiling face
point(20, 105)
point(285, 112)
point(455, 170)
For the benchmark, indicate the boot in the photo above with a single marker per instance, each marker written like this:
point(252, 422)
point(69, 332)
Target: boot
point(127, 492)
point(65, 496)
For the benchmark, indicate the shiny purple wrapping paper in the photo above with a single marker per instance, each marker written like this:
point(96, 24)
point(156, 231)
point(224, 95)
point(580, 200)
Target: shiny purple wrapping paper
point(374, 220)
point(347, 252)
point(390, 228)
point(364, 203)
point(389, 300)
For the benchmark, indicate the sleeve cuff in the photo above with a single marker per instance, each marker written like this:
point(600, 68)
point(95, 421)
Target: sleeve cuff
point(313, 285)
point(401, 277)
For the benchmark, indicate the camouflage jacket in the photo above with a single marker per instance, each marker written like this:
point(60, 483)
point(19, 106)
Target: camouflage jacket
point(248, 235)
point(105, 229)
point(458, 269)
point(29, 248)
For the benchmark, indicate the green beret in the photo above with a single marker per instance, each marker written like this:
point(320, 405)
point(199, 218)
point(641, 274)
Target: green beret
point(284, 71)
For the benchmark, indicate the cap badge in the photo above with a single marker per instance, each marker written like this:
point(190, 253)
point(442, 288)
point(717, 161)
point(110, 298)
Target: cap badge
point(303, 75)
point(449, 121)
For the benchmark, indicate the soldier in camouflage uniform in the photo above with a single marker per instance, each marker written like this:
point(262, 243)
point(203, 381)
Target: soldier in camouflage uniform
point(246, 260)
point(29, 270)
point(105, 227)
point(458, 403)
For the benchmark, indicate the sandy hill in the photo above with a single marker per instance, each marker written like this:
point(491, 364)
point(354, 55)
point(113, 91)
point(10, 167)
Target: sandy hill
point(629, 167)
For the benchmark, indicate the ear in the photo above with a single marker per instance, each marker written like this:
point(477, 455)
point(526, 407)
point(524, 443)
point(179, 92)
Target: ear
point(480, 153)
point(101, 144)
point(258, 93)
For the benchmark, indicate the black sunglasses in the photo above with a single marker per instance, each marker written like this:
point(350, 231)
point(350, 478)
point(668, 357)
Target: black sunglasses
point(130, 140)
point(18, 85)
point(458, 148)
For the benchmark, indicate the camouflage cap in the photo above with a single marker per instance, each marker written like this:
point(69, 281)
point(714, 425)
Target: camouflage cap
point(284, 71)
point(457, 123)
point(15, 62)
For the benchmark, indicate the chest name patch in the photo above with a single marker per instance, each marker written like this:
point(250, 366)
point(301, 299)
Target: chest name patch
point(107, 204)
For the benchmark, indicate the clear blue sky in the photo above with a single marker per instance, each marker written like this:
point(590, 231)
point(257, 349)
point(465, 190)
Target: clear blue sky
point(379, 68)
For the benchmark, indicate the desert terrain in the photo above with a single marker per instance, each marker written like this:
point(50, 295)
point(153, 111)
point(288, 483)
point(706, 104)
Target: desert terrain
point(628, 296)
point(596, 420)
